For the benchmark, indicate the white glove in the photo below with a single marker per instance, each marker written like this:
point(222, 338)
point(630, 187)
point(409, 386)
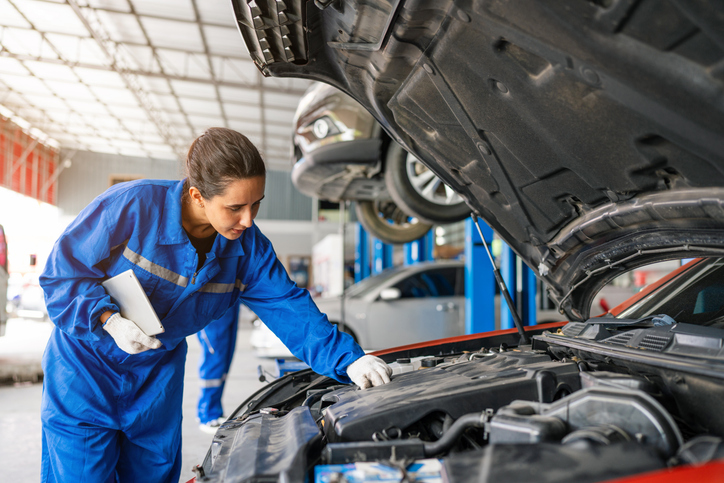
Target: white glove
point(368, 371)
point(129, 338)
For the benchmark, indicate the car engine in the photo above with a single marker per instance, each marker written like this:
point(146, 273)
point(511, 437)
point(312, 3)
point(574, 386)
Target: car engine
point(576, 405)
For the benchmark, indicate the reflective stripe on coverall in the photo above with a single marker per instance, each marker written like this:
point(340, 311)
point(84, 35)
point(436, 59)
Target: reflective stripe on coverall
point(105, 411)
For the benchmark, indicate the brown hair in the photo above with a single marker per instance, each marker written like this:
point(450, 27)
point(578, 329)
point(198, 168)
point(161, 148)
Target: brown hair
point(218, 157)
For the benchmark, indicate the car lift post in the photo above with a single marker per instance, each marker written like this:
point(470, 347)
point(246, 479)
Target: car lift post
point(479, 281)
point(381, 256)
point(419, 250)
point(522, 289)
point(361, 253)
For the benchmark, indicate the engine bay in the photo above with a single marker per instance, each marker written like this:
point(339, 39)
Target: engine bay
point(572, 406)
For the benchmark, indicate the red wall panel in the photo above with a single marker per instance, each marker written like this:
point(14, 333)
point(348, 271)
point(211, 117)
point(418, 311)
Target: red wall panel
point(33, 178)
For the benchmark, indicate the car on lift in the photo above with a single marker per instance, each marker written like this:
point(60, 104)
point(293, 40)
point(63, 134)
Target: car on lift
point(589, 136)
point(342, 154)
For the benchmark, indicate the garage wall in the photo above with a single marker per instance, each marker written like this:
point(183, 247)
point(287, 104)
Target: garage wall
point(90, 174)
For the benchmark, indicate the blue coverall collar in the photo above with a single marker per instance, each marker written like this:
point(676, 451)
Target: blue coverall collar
point(226, 248)
point(174, 234)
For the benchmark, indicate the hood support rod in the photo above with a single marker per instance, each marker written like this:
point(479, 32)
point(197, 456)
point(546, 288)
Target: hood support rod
point(503, 289)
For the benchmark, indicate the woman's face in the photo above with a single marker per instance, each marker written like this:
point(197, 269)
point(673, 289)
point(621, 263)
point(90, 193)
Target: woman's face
point(233, 211)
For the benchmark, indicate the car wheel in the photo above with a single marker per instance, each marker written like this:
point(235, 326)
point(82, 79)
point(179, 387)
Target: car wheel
point(418, 191)
point(387, 222)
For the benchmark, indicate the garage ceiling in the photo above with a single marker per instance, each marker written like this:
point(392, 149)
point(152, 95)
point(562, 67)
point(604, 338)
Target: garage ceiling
point(138, 77)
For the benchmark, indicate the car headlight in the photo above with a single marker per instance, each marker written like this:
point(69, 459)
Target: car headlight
point(324, 127)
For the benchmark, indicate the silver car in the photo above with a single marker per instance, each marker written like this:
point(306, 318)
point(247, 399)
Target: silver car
point(401, 305)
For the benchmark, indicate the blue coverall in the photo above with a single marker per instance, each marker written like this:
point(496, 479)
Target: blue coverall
point(109, 415)
point(218, 341)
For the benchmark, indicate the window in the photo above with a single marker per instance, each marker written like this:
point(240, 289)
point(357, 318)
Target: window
point(440, 282)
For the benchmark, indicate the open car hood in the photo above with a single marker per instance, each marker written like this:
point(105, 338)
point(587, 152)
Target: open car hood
point(589, 135)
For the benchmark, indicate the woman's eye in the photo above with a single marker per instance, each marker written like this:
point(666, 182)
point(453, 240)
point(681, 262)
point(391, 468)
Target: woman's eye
point(235, 209)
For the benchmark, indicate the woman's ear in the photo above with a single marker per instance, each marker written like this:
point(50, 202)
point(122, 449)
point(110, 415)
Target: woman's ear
point(195, 196)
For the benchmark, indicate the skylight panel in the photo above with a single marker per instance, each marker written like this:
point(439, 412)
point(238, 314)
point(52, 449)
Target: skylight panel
point(234, 70)
point(122, 27)
point(25, 84)
point(83, 107)
point(111, 4)
point(197, 106)
point(56, 72)
point(71, 90)
point(193, 89)
point(12, 66)
point(49, 17)
point(110, 95)
point(45, 102)
point(279, 132)
point(155, 85)
point(184, 63)
point(245, 127)
point(127, 113)
point(103, 78)
point(217, 12)
point(167, 103)
point(184, 131)
point(9, 16)
point(176, 118)
point(92, 140)
point(284, 116)
point(281, 100)
point(180, 9)
point(20, 41)
point(149, 137)
point(204, 122)
point(31, 114)
point(158, 148)
point(77, 49)
point(61, 117)
point(143, 57)
point(101, 146)
point(255, 139)
point(125, 144)
point(239, 111)
point(244, 96)
point(224, 41)
point(173, 34)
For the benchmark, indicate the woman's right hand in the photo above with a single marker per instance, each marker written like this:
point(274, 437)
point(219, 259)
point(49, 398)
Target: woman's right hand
point(129, 338)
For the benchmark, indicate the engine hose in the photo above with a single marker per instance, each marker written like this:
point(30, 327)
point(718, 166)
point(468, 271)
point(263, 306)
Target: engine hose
point(473, 420)
point(313, 398)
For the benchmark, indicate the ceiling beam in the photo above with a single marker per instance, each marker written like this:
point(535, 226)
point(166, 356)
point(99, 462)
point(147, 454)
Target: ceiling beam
point(209, 63)
point(121, 66)
point(157, 17)
point(200, 80)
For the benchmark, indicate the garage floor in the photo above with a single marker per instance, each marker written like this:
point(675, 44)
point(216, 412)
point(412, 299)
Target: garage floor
point(20, 351)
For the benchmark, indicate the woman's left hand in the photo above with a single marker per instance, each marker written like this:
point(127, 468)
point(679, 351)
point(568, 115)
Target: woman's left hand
point(369, 371)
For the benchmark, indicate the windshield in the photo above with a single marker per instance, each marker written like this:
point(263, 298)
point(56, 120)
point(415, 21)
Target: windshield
point(363, 287)
point(695, 296)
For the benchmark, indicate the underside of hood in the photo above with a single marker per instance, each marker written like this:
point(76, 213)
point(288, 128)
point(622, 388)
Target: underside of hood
point(589, 135)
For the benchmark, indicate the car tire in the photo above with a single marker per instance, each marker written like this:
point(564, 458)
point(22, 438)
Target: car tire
point(385, 221)
point(441, 206)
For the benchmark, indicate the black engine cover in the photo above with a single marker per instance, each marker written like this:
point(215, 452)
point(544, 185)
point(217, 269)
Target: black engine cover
point(488, 382)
